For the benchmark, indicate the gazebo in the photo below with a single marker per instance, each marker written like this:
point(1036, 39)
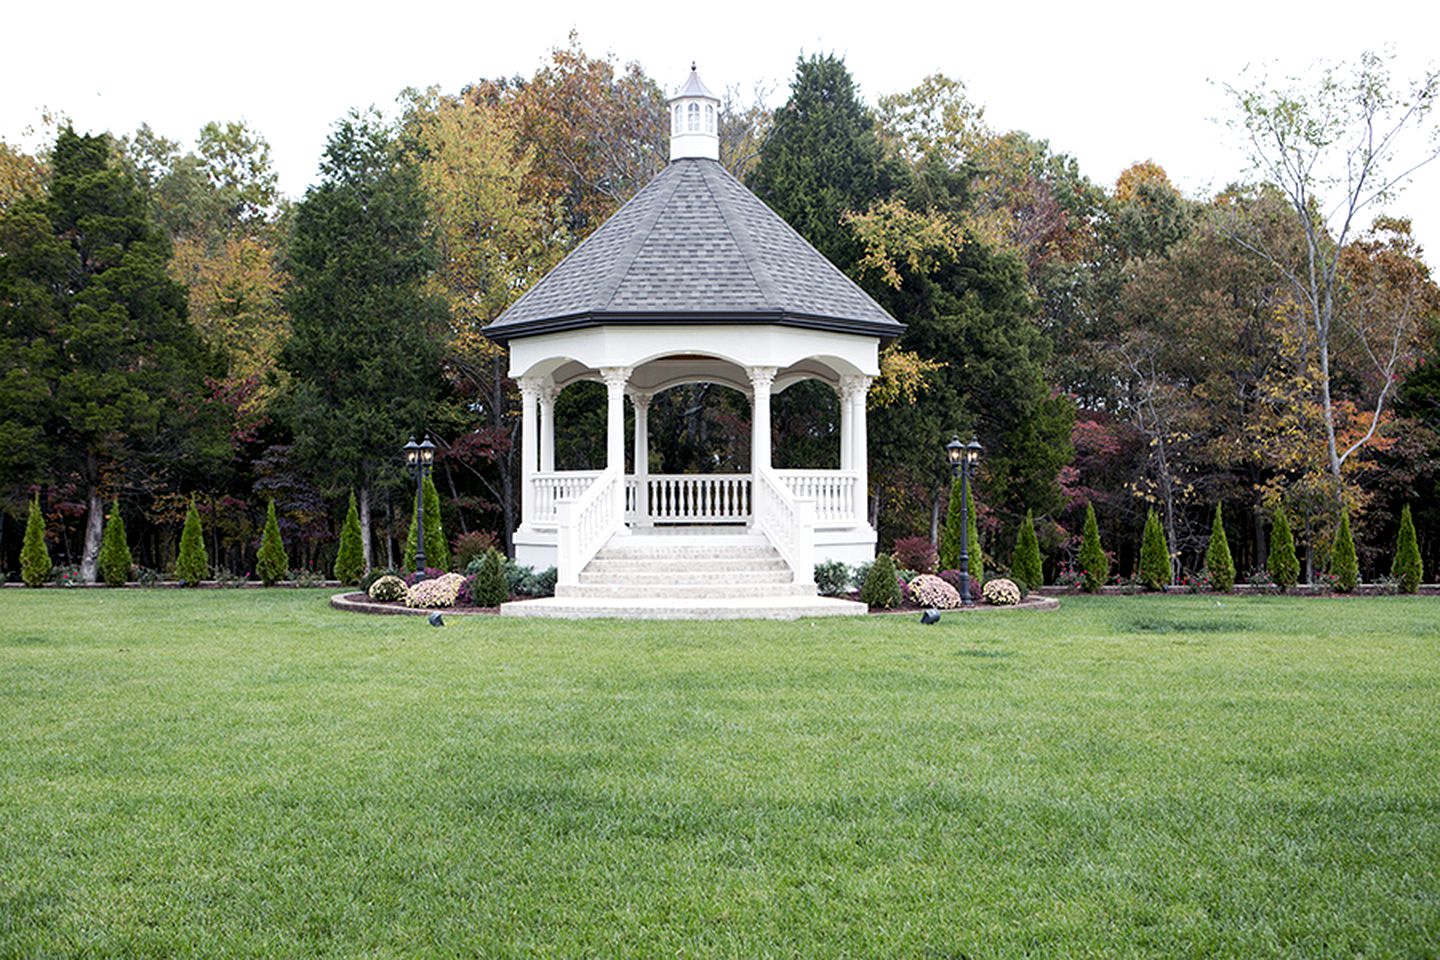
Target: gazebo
point(693, 280)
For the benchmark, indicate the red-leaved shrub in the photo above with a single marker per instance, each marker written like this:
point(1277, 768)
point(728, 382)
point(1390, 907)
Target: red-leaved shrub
point(916, 553)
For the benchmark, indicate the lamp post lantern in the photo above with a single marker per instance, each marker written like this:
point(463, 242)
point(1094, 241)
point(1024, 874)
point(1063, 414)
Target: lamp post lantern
point(963, 457)
point(419, 457)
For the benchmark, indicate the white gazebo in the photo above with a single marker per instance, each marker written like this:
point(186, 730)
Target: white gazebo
point(693, 280)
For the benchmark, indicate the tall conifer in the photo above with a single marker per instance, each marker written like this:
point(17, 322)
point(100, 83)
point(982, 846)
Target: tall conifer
point(1406, 567)
point(1154, 554)
point(35, 563)
point(1218, 562)
point(115, 557)
point(271, 561)
point(1094, 564)
point(193, 564)
point(1344, 565)
point(1282, 564)
point(350, 560)
point(1026, 566)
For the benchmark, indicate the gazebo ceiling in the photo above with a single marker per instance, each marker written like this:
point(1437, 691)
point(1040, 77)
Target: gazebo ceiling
point(672, 371)
point(694, 246)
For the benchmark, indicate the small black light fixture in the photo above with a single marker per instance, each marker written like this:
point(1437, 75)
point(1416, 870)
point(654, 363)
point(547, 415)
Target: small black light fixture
point(419, 457)
point(962, 458)
point(435, 620)
point(930, 617)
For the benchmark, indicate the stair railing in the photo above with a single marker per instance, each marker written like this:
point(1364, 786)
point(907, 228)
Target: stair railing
point(788, 522)
point(585, 522)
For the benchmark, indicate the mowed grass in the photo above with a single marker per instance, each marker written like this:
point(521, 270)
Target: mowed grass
point(249, 773)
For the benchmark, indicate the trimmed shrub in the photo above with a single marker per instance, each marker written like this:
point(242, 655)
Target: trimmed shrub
point(932, 592)
point(386, 588)
point(832, 578)
point(1154, 555)
point(1002, 592)
point(35, 563)
point(367, 581)
point(543, 583)
point(1344, 566)
point(488, 587)
point(193, 564)
point(1026, 566)
point(1406, 567)
point(1218, 562)
point(916, 553)
point(881, 587)
point(271, 561)
point(1094, 565)
point(437, 551)
point(1282, 564)
point(471, 546)
point(115, 558)
point(350, 560)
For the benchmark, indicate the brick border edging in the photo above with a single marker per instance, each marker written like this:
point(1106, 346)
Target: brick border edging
point(350, 603)
point(176, 585)
point(1033, 602)
point(1242, 589)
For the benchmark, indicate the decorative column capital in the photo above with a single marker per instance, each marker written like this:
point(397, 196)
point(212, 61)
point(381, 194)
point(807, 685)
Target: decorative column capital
point(616, 377)
point(530, 387)
point(641, 398)
point(761, 375)
point(852, 387)
point(547, 394)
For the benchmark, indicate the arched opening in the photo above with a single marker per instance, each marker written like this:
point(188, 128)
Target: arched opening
point(693, 112)
point(805, 426)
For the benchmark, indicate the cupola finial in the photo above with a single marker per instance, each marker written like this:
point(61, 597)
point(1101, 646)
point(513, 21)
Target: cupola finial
point(694, 121)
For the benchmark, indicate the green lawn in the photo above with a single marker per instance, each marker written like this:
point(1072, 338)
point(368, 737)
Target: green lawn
point(248, 773)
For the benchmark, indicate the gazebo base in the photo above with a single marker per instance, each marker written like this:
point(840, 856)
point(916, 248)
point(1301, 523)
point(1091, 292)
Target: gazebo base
point(707, 608)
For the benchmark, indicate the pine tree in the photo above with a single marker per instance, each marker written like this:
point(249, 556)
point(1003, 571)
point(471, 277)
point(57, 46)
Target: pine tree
point(1406, 567)
point(437, 549)
point(35, 564)
point(881, 587)
point(1282, 564)
point(271, 561)
point(1344, 565)
point(488, 587)
point(1026, 566)
point(1218, 562)
point(350, 560)
point(193, 564)
point(1154, 555)
point(115, 558)
point(1094, 564)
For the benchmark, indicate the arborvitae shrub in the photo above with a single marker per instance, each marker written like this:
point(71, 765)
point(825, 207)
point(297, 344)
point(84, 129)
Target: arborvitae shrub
point(1282, 564)
point(881, 588)
point(1154, 555)
point(34, 555)
point(1218, 562)
point(1026, 566)
point(950, 537)
point(115, 558)
point(1406, 568)
point(1094, 565)
point(489, 587)
point(193, 565)
point(437, 551)
point(1344, 566)
point(977, 556)
point(271, 562)
point(350, 560)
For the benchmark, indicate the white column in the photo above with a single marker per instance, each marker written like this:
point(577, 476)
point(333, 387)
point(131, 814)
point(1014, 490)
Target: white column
point(760, 380)
point(547, 429)
point(529, 393)
point(847, 447)
point(615, 379)
point(856, 389)
point(641, 403)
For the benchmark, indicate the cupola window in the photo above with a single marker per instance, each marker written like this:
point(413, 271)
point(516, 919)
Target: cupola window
point(694, 111)
point(709, 118)
point(675, 126)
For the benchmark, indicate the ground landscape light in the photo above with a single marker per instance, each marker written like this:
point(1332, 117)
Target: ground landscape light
point(436, 620)
point(930, 617)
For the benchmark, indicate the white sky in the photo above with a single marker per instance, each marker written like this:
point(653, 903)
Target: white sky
point(1108, 82)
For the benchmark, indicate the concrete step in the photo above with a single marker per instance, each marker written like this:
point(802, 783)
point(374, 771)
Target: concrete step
point(652, 589)
point(625, 565)
point(751, 608)
point(685, 578)
point(629, 551)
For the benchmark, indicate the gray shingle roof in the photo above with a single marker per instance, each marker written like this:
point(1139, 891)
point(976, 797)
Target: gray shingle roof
point(694, 246)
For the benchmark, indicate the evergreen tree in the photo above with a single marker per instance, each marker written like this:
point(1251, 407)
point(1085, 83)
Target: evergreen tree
point(437, 549)
point(1282, 564)
point(1218, 562)
point(1154, 555)
point(882, 586)
point(350, 560)
point(99, 364)
point(1026, 566)
point(1406, 567)
point(193, 564)
point(488, 587)
point(363, 353)
point(1094, 564)
point(950, 536)
point(271, 561)
point(1344, 565)
point(115, 558)
point(34, 555)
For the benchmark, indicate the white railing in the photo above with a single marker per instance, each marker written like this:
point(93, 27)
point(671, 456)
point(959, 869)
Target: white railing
point(788, 522)
point(832, 490)
point(695, 498)
point(549, 488)
point(585, 522)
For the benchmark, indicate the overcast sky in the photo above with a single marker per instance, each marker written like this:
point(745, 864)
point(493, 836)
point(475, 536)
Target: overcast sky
point(1109, 83)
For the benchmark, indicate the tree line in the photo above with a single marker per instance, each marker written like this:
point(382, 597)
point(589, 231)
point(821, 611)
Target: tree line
point(176, 330)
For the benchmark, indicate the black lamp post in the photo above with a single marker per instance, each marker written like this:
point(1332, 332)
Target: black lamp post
point(420, 456)
point(963, 457)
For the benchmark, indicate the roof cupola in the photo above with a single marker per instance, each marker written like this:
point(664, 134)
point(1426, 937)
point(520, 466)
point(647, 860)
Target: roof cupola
point(694, 121)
